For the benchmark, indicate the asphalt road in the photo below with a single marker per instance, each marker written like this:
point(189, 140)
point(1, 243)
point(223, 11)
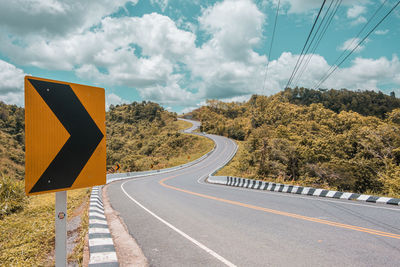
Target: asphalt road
point(179, 220)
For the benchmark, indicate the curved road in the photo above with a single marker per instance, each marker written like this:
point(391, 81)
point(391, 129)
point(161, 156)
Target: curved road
point(179, 220)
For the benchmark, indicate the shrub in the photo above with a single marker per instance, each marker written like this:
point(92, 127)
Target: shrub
point(12, 196)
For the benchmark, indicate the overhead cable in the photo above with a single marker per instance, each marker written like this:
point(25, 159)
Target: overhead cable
point(270, 48)
point(305, 44)
point(348, 47)
point(319, 38)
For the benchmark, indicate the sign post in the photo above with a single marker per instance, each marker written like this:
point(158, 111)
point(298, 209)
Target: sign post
point(65, 146)
point(61, 228)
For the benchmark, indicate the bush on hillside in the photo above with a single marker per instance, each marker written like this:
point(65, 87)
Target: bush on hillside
point(12, 196)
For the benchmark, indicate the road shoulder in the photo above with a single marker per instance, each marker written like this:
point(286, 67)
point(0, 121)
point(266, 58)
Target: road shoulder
point(127, 249)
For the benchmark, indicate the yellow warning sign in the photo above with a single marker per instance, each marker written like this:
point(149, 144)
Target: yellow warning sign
point(65, 144)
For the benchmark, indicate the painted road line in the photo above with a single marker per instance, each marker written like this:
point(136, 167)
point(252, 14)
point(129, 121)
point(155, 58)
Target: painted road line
point(283, 213)
point(294, 195)
point(277, 187)
point(194, 241)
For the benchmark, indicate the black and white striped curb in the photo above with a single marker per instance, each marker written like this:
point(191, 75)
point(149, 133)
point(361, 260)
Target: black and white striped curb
point(101, 245)
point(294, 189)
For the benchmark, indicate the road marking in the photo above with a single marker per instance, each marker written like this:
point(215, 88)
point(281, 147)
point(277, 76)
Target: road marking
point(194, 241)
point(287, 214)
point(295, 196)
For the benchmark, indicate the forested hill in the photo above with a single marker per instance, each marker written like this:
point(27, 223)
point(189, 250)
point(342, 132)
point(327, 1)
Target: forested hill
point(12, 140)
point(140, 136)
point(367, 103)
point(309, 145)
point(144, 136)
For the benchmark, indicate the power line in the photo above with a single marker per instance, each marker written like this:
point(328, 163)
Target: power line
point(321, 35)
point(270, 48)
point(351, 43)
point(306, 55)
point(348, 47)
point(373, 29)
point(305, 44)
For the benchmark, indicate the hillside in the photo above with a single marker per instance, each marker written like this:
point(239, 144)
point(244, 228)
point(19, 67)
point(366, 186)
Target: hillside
point(144, 136)
point(367, 103)
point(12, 141)
point(309, 145)
point(140, 136)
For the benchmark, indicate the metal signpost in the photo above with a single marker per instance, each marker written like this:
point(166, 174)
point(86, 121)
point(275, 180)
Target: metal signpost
point(65, 145)
point(61, 228)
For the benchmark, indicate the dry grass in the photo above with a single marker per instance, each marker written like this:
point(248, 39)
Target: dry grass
point(77, 254)
point(27, 237)
point(181, 125)
point(200, 146)
point(233, 167)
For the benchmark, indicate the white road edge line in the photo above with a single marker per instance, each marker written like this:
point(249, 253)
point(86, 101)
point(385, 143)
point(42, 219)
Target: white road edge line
point(194, 241)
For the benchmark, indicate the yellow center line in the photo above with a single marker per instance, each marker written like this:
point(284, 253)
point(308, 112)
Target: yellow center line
point(282, 213)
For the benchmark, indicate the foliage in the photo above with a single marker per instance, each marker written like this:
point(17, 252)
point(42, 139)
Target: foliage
point(12, 196)
point(12, 141)
point(26, 238)
point(143, 136)
point(309, 145)
point(12, 121)
point(367, 103)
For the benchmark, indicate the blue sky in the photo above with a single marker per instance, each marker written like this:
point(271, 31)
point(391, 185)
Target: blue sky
point(179, 53)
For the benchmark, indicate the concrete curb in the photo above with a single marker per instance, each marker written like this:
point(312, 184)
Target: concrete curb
point(101, 245)
point(294, 189)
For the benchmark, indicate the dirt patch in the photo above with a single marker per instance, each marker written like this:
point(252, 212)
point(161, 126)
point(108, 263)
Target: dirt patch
point(128, 251)
point(85, 261)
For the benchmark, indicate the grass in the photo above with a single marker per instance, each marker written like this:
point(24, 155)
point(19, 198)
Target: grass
point(200, 146)
point(77, 254)
point(194, 147)
point(27, 237)
point(181, 125)
point(232, 168)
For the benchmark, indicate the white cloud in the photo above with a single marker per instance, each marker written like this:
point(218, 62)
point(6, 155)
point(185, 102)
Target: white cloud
point(169, 94)
point(351, 43)
point(160, 60)
point(368, 74)
point(355, 11)
point(112, 46)
point(302, 6)
point(363, 73)
point(242, 98)
point(16, 98)
point(161, 3)
point(113, 99)
point(359, 20)
point(11, 78)
point(381, 32)
point(11, 84)
point(235, 28)
point(55, 17)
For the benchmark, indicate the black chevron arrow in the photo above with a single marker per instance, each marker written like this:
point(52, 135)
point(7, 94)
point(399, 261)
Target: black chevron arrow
point(84, 136)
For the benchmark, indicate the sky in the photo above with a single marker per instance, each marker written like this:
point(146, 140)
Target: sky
point(179, 53)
